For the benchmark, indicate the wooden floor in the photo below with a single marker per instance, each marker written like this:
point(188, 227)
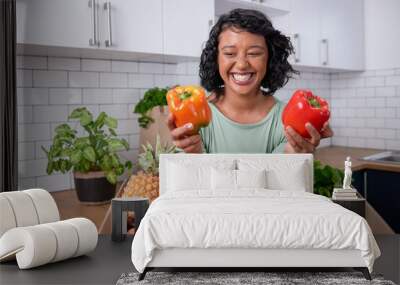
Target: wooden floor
point(70, 207)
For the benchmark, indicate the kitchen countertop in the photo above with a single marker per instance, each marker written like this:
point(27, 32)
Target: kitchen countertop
point(336, 155)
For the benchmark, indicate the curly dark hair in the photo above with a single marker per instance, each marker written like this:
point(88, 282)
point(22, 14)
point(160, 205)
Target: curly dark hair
point(279, 48)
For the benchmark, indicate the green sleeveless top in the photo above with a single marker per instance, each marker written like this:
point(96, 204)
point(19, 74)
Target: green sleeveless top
point(223, 135)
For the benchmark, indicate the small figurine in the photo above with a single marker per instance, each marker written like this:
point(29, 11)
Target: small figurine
point(347, 174)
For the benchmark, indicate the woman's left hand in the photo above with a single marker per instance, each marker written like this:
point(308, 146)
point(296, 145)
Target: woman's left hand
point(298, 144)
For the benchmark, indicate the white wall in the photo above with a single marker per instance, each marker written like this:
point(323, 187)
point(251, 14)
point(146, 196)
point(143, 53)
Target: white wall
point(382, 34)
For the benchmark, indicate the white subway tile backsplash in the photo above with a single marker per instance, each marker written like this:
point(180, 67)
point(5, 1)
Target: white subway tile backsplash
point(374, 123)
point(393, 102)
point(385, 112)
point(385, 91)
point(31, 62)
point(24, 78)
point(179, 68)
point(26, 151)
point(365, 113)
point(392, 144)
point(341, 141)
point(39, 152)
point(365, 92)
point(24, 114)
point(152, 68)
point(188, 79)
point(375, 102)
point(375, 143)
point(374, 81)
point(51, 113)
point(65, 96)
point(83, 79)
point(134, 141)
point(365, 132)
point(118, 111)
point(32, 96)
point(386, 133)
point(126, 127)
point(32, 168)
point(97, 96)
point(384, 72)
point(356, 142)
point(26, 183)
point(125, 96)
point(392, 123)
point(116, 80)
point(33, 132)
point(192, 67)
point(356, 82)
point(136, 80)
point(50, 78)
point(163, 80)
point(393, 80)
point(54, 182)
point(356, 102)
point(64, 63)
point(339, 83)
point(356, 122)
point(96, 65)
point(124, 66)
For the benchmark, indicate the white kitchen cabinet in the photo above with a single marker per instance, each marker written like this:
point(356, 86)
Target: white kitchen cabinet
point(325, 34)
point(186, 26)
point(136, 26)
point(132, 26)
point(54, 22)
point(342, 29)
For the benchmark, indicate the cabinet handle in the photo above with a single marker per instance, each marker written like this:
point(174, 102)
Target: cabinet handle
point(94, 40)
point(325, 53)
point(107, 6)
point(296, 38)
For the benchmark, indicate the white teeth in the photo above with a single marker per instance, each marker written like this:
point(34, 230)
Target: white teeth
point(241, 77)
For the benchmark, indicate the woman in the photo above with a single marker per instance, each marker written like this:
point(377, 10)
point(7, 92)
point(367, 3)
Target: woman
point(244, 62)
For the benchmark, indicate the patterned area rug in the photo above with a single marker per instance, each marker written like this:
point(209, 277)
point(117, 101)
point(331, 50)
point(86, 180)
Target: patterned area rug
point(269, 278)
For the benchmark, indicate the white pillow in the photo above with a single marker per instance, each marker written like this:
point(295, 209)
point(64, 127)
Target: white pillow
point(223, 179)
point(188, 176)
point(251, 178)
point(282, 174)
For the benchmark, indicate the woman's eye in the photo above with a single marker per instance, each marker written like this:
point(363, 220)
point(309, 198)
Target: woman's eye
point(228, 54)
point(255, 54)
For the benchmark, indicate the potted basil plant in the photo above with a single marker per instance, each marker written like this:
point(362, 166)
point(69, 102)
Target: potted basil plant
point(93, 157)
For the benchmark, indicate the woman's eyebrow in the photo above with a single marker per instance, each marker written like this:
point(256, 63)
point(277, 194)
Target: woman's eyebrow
point(225, 47)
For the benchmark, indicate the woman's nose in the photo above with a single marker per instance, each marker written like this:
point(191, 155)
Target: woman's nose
point(242, 62)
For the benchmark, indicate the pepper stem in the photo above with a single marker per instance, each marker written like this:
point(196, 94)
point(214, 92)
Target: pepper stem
point(185, 95)
point(314, 102)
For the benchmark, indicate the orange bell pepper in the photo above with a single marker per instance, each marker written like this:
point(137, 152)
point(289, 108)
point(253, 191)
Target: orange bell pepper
point(189, 105)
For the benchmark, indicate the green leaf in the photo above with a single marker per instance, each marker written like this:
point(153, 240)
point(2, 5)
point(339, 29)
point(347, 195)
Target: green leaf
point(112, 132)
point(111, 177)
point(76, 156)
point(50, 168)
point(86, 119)
point(115, 145)
point(111, 122)
point(100, 120)
point(89, 154)
point(128, 164)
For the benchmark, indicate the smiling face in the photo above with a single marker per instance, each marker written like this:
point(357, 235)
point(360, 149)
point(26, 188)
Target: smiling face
point(242, 61)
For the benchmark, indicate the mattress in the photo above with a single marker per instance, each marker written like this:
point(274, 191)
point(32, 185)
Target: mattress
point(251, 219)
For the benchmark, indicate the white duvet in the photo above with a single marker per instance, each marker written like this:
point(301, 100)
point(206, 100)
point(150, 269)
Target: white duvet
point(253, 218)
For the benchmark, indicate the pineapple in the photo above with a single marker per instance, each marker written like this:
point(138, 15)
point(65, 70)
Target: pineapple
point(146, 183)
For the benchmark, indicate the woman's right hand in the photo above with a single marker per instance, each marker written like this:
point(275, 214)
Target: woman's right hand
point(181, 137)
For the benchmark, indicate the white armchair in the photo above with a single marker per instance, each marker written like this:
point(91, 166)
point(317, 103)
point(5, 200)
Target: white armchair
point(31, 230)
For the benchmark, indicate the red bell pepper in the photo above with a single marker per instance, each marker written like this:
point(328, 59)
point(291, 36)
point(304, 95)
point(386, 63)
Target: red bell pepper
point(304, 107)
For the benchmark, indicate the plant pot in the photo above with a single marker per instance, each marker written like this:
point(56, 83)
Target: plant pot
point(93, 188)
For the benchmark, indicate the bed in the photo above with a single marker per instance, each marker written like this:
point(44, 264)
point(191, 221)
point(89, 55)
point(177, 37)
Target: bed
point(247, 210)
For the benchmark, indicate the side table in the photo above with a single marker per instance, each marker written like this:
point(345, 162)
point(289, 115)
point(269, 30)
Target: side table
point(357, 205)
point(120, 208)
